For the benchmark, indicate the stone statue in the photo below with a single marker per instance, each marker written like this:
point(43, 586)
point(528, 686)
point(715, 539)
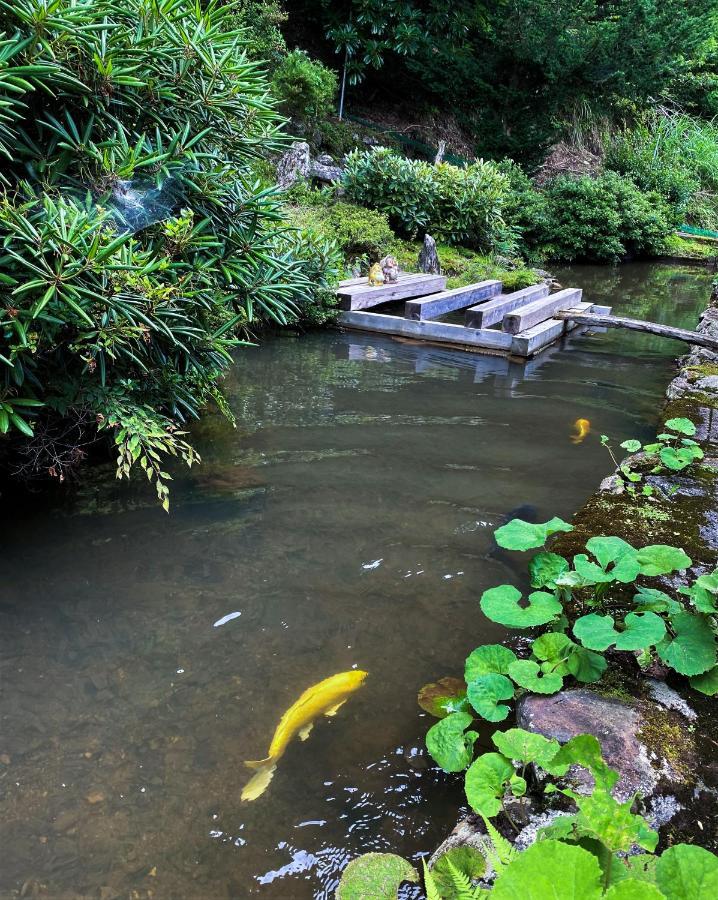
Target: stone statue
point(390, 268)
point(376, 276)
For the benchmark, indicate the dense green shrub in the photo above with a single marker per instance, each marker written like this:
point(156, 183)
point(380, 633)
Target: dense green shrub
point(526, 209)
point(358, 232)
point(604, 219)
point(305, 87)
point(261, 19)
point(136, 244)
point(455, 205)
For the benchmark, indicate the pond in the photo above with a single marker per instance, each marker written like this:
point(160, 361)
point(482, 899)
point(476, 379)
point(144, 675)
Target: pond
point(346, 522)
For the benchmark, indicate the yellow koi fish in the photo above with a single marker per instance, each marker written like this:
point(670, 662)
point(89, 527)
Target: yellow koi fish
point(324, 698)
point(583, 427)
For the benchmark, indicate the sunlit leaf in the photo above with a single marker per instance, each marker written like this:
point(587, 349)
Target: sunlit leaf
point(550, 869)
point(465, 859)
point(520, 535)
point(375, 875)
point(661, 559)
point(545, 568)
point(687, 872)
point(528, 674)
point(503, 604)
point(525, 746)
point(642, 630)
point(450, 744)
point(692, 651)
point(486, 693)
point(447, 695)
point(682, 426)
point(491, 659)
point(486, 781)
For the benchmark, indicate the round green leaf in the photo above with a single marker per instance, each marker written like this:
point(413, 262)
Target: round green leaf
point(450, 745)
point(653, 600)
point(632, 445)
point(550, 869)
point(678, 458)
point(485, 783)
point(525, 746)
point(527, 674)
point(687, 872)
point(502, 605)
point(554, 649)
point(447, 695)
point(375, 875)
point(491, 659)
point(682, 426)
point(520, 535)
point(707, 683)
point(693, 649)
point(586, 666)
point(545, 568)
point(517, 785)
point(661, 559)
point(609, 550)
point(485, 694)
point(642, 630)
point(595, 632)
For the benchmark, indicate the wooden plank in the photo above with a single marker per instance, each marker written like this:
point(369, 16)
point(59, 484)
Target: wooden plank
point(486, 314)
point(364, 296)
point(540, 335)
point(441, 332)
point(678, 334)
point(448, 301)
point(527, 316)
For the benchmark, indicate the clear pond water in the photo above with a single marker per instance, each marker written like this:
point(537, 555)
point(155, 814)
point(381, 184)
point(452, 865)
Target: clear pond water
point(346, 521)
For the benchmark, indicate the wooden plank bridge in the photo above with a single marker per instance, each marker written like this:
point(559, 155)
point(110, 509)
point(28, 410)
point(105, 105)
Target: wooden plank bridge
point(520, 323)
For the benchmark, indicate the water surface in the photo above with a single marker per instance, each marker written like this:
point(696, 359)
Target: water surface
point(346, 521)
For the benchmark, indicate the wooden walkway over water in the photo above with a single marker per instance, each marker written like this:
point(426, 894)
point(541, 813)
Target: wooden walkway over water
point(520, 323)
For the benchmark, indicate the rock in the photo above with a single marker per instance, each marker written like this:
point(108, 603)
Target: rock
point(708, 384)
point(293, 165)
point(428, 257)
point(613, 484)
point(616, 723)
point(324, 159)
point(670, 699)
point(677, 388)
point(325, 172)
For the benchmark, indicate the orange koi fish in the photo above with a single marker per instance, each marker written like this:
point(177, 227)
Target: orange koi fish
point(583, 427)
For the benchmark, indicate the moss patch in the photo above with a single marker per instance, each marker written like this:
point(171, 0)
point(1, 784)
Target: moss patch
point(669, 741)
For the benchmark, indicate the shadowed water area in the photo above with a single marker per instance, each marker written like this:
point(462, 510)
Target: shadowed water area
point(346, 522)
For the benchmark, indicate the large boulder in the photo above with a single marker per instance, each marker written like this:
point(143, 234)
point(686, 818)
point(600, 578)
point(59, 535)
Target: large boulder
point(295, 164)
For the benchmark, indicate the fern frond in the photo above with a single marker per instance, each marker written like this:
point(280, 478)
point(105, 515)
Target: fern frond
point(499, 852)
point(432, 891)
point(461, 883)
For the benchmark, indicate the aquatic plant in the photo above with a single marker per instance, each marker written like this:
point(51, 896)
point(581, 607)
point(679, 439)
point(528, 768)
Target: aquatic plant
point(673, 450)
point(580, 855)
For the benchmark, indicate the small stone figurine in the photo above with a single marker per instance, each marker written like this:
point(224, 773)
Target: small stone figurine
point(390, 268)
point(376, 275)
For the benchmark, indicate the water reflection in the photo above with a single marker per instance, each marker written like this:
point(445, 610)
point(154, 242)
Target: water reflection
point(349, 518)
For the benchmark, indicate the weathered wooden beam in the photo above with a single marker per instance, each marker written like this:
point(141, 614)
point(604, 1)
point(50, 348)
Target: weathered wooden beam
point(448, 301)
point(440, 332)
point(364, 295)
point(544, 333)
point(539, 310)
point(486, 314)
point(604, 321)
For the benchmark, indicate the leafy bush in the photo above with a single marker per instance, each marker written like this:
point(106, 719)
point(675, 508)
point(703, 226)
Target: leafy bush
point(455, 205)
point(583, 855)
point(526, 208)
point(358, 232)
point(136, 245)
point(604, 219)
point(305, 87)
point(261, 19)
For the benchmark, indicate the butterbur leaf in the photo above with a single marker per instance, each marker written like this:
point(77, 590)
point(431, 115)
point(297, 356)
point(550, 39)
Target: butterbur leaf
point(707, 683)
point(693, 649)
point(491, 659)
point(525, 746)
point(502, 605)
point(520, 535)
point(545, 568)
point(642, 629)
point(687, 872)
point(550, 869)
point(611, 822)
point(464, 859)
point(450, 745)
point(442, 697)
point(517, 785)
point(632, 446)
point(661, 559)
point(527, 674)
point(486, 781)
point(485, 694)
point(583, 750)
point(586, 666)
point(682, 426)
point(704, 601)
point(615, 556)
point(678, 458)
point(653, 600)
point(634, 868)
point(554, 649)
point(375, 875)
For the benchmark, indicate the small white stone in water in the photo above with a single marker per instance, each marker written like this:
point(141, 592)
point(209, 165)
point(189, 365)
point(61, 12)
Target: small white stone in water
point(180, 671)
point(373, 565)
point(142, 790)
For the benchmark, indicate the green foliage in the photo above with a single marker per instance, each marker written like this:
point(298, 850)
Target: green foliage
point(376, 875)
point(685, 872)
point(261, 19)
point(455, 205)
point(505, 605)
point(551, 869)
point(450, 744)
point(520, 535)
point(137, 249)
point(454, 871)
point(487, 660)
point(442, 697)
point(359, 233)
point(305, 87)
point(486, 782)
point(604, 219)
point(485, 694)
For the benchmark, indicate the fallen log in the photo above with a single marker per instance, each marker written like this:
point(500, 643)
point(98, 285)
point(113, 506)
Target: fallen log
point(678, 334)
